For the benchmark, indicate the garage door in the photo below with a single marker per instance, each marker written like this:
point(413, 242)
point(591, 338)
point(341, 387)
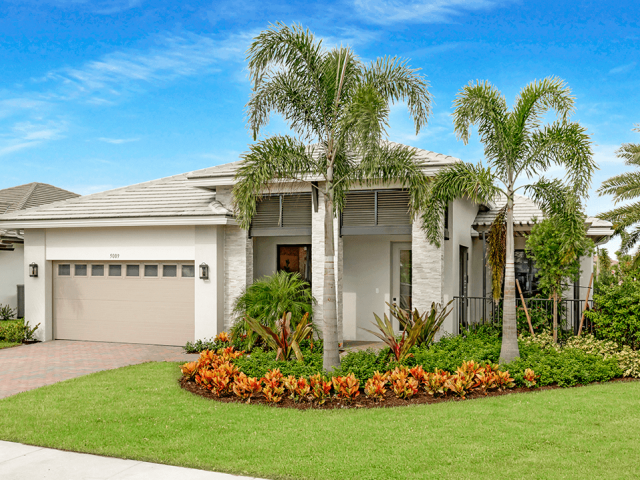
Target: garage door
point(133, 302)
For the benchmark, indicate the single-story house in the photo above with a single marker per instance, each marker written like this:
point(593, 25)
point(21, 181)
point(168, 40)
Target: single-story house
point(12, 265)
point(162, 262)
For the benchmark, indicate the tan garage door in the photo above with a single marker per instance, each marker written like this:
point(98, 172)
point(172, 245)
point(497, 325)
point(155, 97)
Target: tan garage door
point(132, 302)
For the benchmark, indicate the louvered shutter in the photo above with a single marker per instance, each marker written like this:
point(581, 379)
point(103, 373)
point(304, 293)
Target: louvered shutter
point(376, 213)
point(296, 210)
point(267, 213)
point(393, 208)
point(359, 210)
point(282, 215)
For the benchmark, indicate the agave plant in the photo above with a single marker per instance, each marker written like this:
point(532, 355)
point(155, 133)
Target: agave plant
point(431, 321)
point(283, 338)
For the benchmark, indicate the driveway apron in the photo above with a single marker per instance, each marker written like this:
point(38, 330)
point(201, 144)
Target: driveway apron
point(31, 366)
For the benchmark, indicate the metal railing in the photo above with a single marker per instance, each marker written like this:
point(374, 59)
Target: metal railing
point(470, 312)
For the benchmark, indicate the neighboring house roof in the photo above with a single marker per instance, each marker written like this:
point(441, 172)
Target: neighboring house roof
point(526, 210)
point(167, 197)
point(26, 196)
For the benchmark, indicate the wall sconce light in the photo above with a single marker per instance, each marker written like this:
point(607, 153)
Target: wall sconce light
point(204, 271)
point(33, 269)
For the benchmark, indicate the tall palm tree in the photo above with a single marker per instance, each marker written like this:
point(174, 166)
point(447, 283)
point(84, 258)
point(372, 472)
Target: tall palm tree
point(338, 109)
point(625, 187)
point(517, 148)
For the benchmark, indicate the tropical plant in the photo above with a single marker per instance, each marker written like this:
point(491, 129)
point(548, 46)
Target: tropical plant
point(331, 99)
point(556, 245)
point(320, 388)
point(402, 383)
point(624, 188)
point(273, 388)
point(375, 389)
point(6, 312)
point(246, 387)
point(284, 340)
point(347, 387)
point(517, 147)
point(400, 347)
point(267, 299)
point(431, 321)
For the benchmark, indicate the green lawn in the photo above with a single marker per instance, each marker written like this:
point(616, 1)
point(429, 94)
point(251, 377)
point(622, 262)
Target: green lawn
point(141, 413)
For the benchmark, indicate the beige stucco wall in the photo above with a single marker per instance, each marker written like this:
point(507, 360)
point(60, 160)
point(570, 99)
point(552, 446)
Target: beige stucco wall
point(11, 275)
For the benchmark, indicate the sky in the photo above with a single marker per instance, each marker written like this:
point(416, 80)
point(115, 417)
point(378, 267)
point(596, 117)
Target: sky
point(101, 94)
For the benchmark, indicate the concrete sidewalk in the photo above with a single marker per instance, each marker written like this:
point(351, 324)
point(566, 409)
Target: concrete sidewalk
point(18, 461)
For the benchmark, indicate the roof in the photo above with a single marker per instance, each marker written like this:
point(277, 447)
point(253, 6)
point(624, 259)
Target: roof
point(166, 197)
point(525, 210)
point(425, 158)
point(26, 196)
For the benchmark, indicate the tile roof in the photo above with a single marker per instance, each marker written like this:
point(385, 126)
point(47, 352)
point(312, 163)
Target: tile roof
point(30, 195)
point(423, 157)
point(165, 197)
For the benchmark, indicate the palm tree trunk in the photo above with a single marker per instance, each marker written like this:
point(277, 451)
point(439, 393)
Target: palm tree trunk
point(331, 355)
point(509, 349)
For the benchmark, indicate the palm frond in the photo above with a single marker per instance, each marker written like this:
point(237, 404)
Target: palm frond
point(625, 186)
point(275, 158)
point(497, 252)
point(624, 216)
point(475, 182)
point(560, 143)
point(396, 81)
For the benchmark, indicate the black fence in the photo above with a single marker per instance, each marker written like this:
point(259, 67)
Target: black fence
point(469, 312)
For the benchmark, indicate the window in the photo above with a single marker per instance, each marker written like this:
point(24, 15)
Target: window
point(133, 270)
point(169, 270)
point(151, 270)
point(295, 258)
point(97, 270)
point(188, 271)
point(115, 270)
point(80, 270)
point(64, 270)
point(526, 273)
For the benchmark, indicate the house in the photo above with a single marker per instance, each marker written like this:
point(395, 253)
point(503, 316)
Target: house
point(12, 266)
point(162, 262)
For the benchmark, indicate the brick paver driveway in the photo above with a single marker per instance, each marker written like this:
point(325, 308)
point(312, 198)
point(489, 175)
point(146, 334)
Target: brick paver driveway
point(32, 366)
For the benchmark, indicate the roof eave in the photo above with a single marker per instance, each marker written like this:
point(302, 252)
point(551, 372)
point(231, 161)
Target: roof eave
point(177, 220)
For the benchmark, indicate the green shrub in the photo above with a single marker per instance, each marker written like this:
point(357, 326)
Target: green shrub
point(259, 362)
point(6, 312)
point(617, 316)
point(17, 331)
point(363, 364)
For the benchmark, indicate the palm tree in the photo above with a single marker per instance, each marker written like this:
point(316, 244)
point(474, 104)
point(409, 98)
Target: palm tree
point(338, 109)
point(625, 187)
point(517, 148)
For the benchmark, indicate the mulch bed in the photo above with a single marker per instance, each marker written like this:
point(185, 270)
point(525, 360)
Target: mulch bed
point(362, 401)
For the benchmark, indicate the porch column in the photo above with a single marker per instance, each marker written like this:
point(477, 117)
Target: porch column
point(38, 291)
point(209, 294)
point(427, 268)
point(317, 263)
point(238, 267)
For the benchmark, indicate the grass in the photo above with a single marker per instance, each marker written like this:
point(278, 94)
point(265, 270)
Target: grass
point(140, 412)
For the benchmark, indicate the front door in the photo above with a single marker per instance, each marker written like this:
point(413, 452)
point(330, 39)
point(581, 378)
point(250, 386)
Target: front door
point(401, 276)
point(295, 259)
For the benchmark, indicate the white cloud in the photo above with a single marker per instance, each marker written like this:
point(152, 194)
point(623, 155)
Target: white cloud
point(419, 11)
point(623, 68)
point(101, 7)
point(28, 134)
point(173, 56)
point(117, 141)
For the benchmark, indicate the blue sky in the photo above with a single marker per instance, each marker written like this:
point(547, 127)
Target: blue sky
point(100, 94)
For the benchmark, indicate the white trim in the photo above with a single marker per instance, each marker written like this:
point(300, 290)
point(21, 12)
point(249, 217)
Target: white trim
point(118, 222)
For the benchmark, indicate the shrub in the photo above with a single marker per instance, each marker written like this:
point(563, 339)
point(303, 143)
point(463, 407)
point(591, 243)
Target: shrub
point(273, 389)
point(363, 364)
point(436, 383)
point(617, 316)
point(189, 370)
point(267, 299)
point(245, 387)
point(403, 385)
point(6, 312)
point(320, 388)
point(374, 388)
point(530, 378)
point(259, 362)
point(283, 338)
point(17, 332)
point(430, 321)
point(347, 387)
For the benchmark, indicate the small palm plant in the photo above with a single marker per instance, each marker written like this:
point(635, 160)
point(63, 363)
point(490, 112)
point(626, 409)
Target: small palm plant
point(267, 299)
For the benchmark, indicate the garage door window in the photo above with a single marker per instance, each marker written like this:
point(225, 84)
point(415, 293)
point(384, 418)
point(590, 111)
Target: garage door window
point(133, 270)
point(80, 270)
point(64, 270)
point(169, 270)
point(115, 270)
point(151, 270)
point(97, 270)
point(188, 271)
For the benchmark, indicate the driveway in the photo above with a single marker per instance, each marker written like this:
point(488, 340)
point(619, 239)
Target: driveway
point(31, 366)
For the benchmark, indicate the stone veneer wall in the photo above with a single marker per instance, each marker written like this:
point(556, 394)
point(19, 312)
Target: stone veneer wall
point(426, 271)
point(238, 267)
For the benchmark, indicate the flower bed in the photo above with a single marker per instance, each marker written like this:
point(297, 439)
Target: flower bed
point(215, 375)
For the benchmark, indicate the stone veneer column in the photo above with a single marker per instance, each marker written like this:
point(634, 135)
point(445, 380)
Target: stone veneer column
point(426, 272)
point(238, 261)
point(317, 263)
